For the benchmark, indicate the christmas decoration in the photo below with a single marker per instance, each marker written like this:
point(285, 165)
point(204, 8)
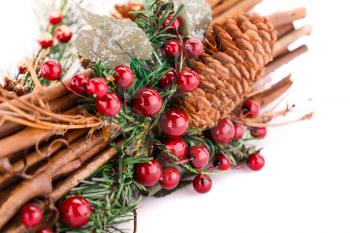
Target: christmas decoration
point(31, 215)
point(148, 174)
point(96, 87)
point(199, 156)
point(147, 102)
point(221, 162)
point(63, 34)
point(177, 146)
point(123, 77)
point(202, 183)
point(174, 123)
point(188, 80)
point(45, 40)
point(51, 70)
point(256, 162)
point(75, 211)
point(170, 178)
point(140, 104)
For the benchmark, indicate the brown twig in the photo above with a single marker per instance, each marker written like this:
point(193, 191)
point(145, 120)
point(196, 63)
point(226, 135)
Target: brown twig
point(75, 164)
point(288, 39)
point(242, 6)
point(85, 171)
point(40, 185)
point(213, 3)
point(217, 10)
point(286, 17)
point(35, 157)
point(274, 92)
point(284, 59)
point(284, 29)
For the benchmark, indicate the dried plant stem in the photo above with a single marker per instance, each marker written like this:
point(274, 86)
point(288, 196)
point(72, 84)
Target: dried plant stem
point(286, 17)
point(28, 161)
point(40, 185)
point(288, 39)
point(224, 6)
point(242, 6)
point(284, 59)
point(60, 104)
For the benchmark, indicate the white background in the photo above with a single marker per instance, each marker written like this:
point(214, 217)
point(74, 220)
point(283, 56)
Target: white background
point(304, 186)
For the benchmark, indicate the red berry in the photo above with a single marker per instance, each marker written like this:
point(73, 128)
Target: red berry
point(63, 34)
point(256, 161)
point(177, 146)
point(224, 132)
point(199, 156)
point(174, 123)
point(96, 87)
point(194, 47)
point(124, 77)
point(22, 69)
point(239, 131)
point(167, 80)
point(108, 105)
point(55, 17)
point(202, 183)
point(51, 70)
point(147, 102)
point(259, 132)
point(45, 40)
point(251, 109)
point(78, 83)
point(173, 48)
point(75, 211)
point(31, 215)
point(175, 25)
point(221, 162)
point(170, 178)
point(148, 174)
point(45, 230)
point(188, 80)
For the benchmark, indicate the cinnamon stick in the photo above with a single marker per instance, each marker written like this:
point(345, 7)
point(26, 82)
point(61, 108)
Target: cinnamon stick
point(242, 6)
point(69, 183)
point(286, 17)
point(36, 157)
point(284, 59)
point(284, 29)
point(212, 3)
point(224, 6)
point(288, 39)
point(41, 183)
point(26, 138)
point(277, 90)
point(75, 164)
point(84, 172)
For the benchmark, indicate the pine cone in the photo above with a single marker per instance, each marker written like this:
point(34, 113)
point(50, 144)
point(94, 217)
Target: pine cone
point(236, 53)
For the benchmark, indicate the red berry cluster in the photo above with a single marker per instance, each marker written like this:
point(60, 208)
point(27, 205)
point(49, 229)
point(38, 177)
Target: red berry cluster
point(186, 79)
point(107, 103)
point(62, 33)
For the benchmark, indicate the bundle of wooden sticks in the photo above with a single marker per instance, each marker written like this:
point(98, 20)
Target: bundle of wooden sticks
point(43, 163)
